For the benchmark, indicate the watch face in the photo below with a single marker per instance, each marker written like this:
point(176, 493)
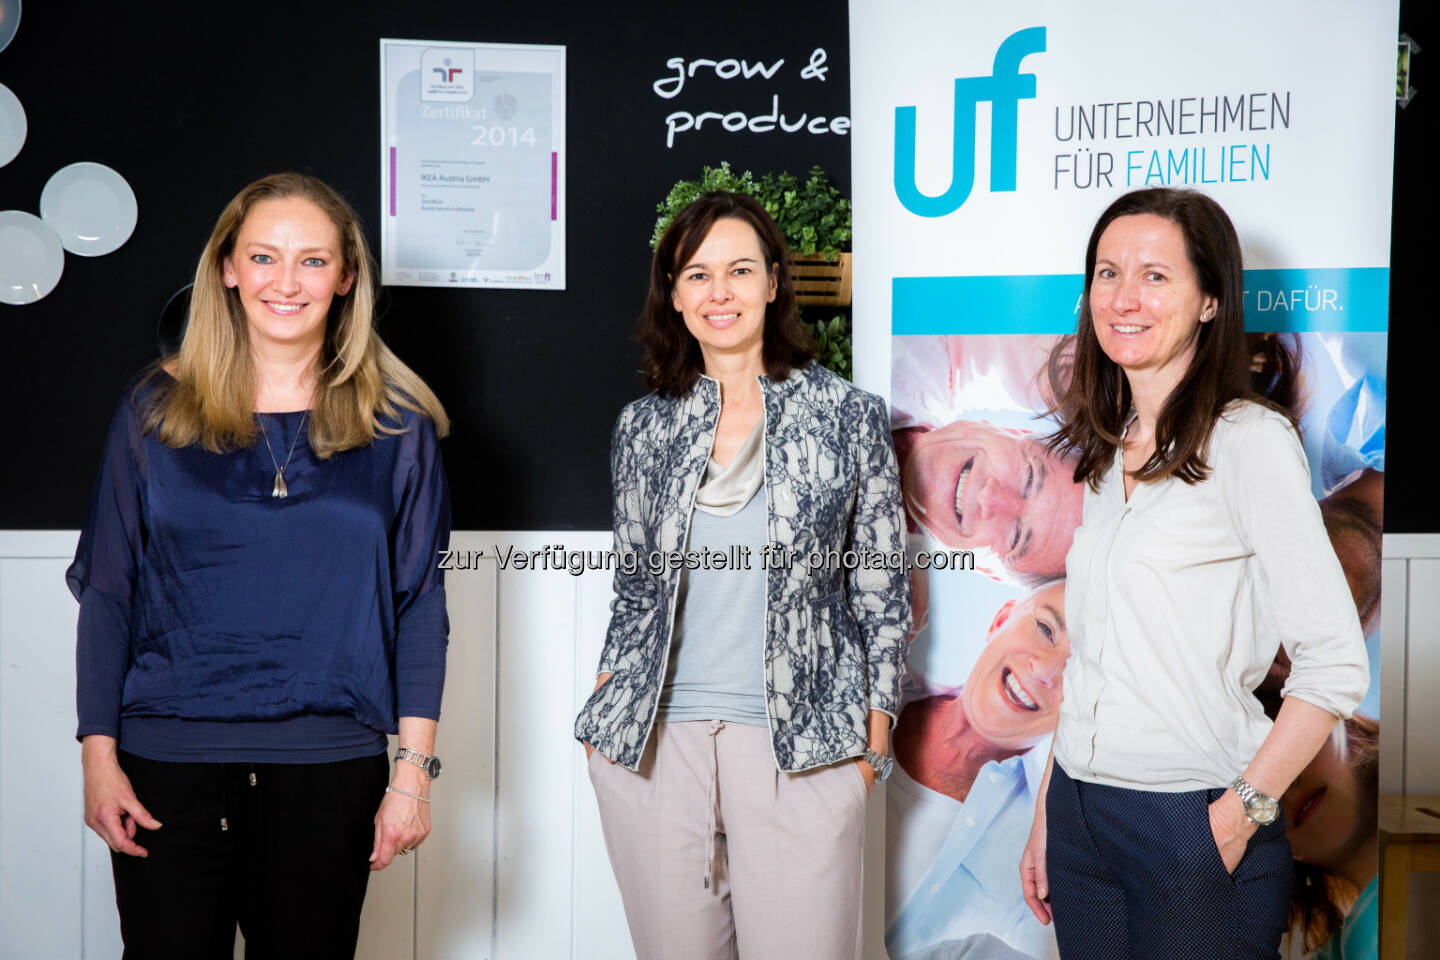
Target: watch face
point(433, 767)
point(1263, 809)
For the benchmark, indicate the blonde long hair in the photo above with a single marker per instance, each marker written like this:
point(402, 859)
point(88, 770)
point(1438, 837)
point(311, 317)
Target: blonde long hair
point(212, 398)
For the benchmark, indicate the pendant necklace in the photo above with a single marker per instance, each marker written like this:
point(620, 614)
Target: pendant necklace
point(280, 490)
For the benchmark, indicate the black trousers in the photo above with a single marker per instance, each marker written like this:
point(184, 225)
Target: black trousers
point(1136, 874)
point(281, 849)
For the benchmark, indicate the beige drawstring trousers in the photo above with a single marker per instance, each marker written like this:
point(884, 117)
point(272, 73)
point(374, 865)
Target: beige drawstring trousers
point(719, 855)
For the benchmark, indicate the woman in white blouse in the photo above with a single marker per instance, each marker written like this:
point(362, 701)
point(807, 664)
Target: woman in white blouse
point(1200, 553)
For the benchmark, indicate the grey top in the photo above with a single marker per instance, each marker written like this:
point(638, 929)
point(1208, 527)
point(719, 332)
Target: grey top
point(831, 483)
point(717, 664)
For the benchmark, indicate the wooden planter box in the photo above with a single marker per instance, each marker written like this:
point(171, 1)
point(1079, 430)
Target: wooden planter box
point(820, 281)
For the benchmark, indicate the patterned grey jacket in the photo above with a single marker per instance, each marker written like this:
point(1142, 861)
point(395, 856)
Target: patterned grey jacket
point(836, 622)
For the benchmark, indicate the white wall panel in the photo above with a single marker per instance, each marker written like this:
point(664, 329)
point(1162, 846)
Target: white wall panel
point(534, 828)
point(99, 923)
point(1422, 655)
point(600, 931)
point(1394, 573)
point(41, 802)
point(387, 925)
point(454, 892)
point(515, 868)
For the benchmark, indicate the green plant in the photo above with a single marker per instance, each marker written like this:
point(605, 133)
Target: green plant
point(686, 192)
point(832, 340)
point(813, 216)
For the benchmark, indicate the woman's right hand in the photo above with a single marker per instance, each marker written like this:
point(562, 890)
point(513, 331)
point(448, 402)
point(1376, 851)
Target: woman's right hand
point(600, 681)
point(111, 808)
point(1033, 882)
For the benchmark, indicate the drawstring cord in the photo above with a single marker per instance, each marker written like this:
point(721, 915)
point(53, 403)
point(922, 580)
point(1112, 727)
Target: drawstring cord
point(224, 800)
point(715, 727)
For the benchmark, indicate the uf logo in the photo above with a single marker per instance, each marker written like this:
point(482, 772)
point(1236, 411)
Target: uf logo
point(447, 72)
point(1004, 88)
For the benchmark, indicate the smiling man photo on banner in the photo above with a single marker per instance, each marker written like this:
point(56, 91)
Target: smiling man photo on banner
point(963, 794)
point(983, 687)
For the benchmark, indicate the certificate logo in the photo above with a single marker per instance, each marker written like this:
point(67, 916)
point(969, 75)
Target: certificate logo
point(447, 75)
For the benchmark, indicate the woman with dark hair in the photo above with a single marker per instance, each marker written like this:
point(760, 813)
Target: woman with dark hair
point(259, 599)
point(1201, 550)
point(742, 712)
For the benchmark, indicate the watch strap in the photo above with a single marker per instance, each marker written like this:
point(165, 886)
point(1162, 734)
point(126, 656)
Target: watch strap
point(881, 764)
point(1254, 800)
point(426, 762)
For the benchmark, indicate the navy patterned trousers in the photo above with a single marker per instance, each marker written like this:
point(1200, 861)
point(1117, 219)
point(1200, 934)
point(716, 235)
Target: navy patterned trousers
point(1136, 874)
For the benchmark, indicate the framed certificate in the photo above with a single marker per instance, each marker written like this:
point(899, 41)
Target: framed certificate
point(472, 164)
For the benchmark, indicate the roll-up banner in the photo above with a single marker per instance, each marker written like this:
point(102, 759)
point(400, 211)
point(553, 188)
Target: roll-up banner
point(988, 140)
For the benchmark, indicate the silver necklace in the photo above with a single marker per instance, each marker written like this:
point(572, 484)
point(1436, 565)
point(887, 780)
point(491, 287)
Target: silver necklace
point(280, 490)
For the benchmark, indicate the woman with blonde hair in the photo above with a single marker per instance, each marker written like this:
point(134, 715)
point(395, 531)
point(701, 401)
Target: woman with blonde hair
point(259, 599)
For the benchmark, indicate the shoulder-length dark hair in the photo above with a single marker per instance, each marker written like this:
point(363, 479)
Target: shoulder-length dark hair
point(672, 356)
point(1093, 409)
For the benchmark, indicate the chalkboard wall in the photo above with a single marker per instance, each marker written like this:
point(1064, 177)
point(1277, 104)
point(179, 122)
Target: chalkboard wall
point(192, 101)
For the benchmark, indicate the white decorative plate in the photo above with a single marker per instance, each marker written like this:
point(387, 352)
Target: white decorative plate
point(90, 207)
point(12, 124)
point(31, 258)
point(9, 21)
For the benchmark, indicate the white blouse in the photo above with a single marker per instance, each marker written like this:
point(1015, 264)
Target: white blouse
point(1177, 601)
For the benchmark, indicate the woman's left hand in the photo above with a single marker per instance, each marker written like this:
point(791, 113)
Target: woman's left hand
point(1231, 829)
point(402, 823)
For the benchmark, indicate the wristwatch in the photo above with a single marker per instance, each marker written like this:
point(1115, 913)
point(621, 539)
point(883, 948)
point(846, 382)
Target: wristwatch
point(1259, 808)
point(431, 765)
point(881, 764)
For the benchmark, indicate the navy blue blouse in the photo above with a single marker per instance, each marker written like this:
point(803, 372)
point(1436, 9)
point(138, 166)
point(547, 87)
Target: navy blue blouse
point(219, 623)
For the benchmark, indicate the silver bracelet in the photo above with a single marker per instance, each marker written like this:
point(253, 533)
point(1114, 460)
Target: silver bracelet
point(407, 793)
